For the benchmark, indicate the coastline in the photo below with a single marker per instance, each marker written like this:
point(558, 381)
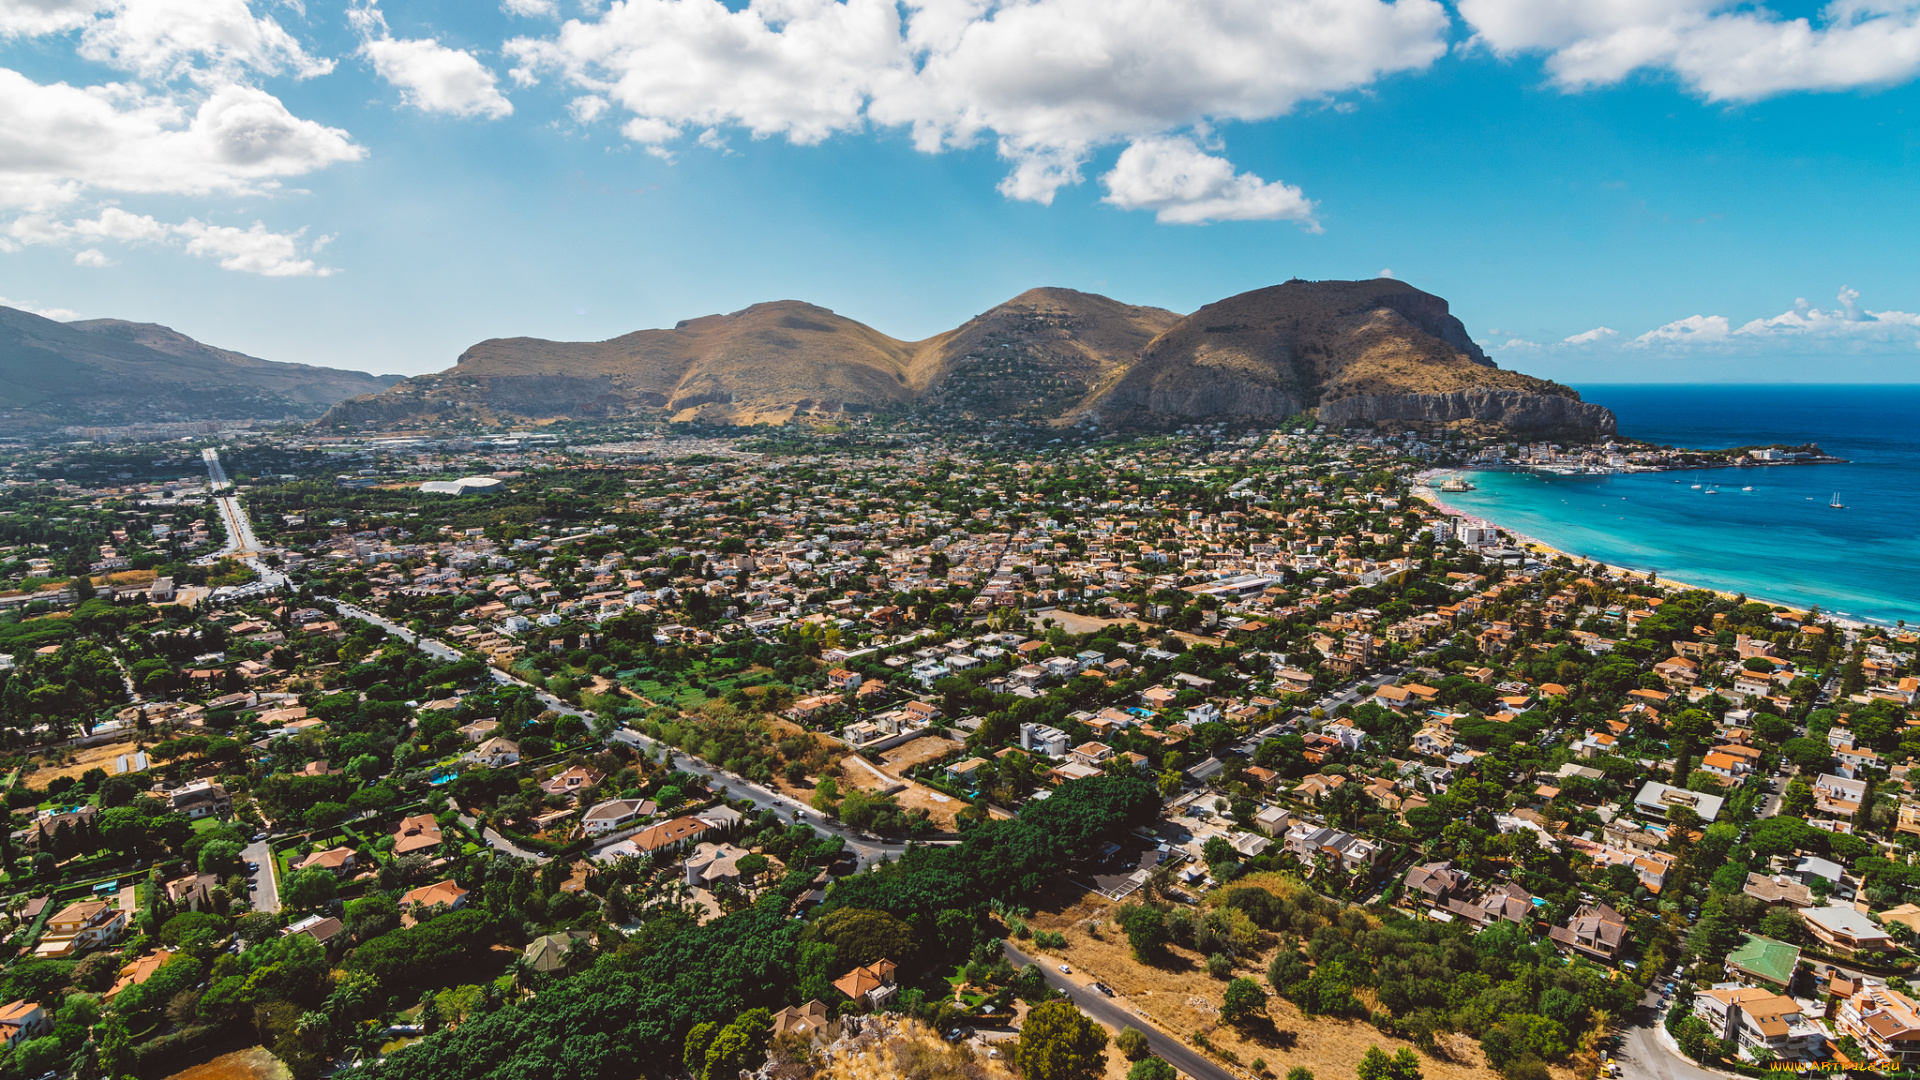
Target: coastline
point(1424, 488)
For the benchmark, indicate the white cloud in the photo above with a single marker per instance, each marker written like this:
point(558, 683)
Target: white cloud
point(1051, 81)
point(1692, 330)
point(1184, 185)
point(1385, 273)
point(202, 39)
point(532, 9)
point(58, 141)
point(435, 78)
point(430, 76)
point(588, 107)
point(254, 250)
point(1598, 333)
point(1724, 49)
point(31, 18)
point(59, 314)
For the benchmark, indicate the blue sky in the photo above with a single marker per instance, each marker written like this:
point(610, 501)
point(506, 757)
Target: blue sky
point(1650, 190)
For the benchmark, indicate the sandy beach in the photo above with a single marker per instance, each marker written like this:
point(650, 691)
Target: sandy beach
point(1425, 489)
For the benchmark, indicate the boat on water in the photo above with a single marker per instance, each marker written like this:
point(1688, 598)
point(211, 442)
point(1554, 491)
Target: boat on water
point(1712, 491)
point(1456, 482)
point(1696, 487)
point(1836, 503)
point(1749, 487)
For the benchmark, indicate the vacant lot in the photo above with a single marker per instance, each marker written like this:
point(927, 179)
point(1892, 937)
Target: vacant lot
point(252, 1064)
point(1180, 997)
point(104, 756)
point(925, 748)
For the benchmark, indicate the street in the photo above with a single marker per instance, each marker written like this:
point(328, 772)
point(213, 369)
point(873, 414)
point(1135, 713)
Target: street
point(1643, 1056)
point(1116, 1016)
point(267, 897)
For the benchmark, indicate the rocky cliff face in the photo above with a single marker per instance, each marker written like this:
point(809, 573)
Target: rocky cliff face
point(1507, 410)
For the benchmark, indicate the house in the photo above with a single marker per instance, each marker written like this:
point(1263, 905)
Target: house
point(1884, 1021)
point(321, 928)
point(1596, 929)
point(614, 814)
point(1724, 765)
point(1655, 800)
point(1838, 796)
point(1204, 713)
point(966, 773)
point(480, 730)
point(872, 983)
point(1272, 820)
point(24, 1020)
point(1754, 1019)
point(195, 891)
point(1043, 739)
point(82, 925)
point(1764, 960)
point(842, 679)
point(1508, 902)
point(809, 1021)
point(418, 833)
point(1435, 883)
point(441, 894)
point(202, 798)
point(1091, 754)
point(710, 864)
point(549, 953)
point(570, 781)
point(1317, 786)
point(340, 861)
point(134, 972)
point(495, 753)
point(667, 834)
point(1847, 930)
point(1778, 889)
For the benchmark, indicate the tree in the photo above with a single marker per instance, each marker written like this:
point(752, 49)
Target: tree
point(1059, 1042)
point(741, 1045)
point(308, 889)
point(1146, 931)
point(861, 936)
point(1152, 1068)
point(1132, 1044)
point(1244, 1002)
point(1299, 1072)
point(1377, 1064)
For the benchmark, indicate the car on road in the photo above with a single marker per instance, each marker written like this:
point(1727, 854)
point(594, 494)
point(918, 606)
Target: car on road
point(253, 867)
point(1065, 970)
point(1103, 988)
point(259, 837)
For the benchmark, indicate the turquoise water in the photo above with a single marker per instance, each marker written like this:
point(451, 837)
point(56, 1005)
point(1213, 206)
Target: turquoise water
point(1780, 541)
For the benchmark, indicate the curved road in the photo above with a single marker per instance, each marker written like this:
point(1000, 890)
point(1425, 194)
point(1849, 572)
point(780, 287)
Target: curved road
point(1116, 1016)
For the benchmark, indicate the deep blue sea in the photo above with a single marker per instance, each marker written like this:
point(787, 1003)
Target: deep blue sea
point(1780, 541)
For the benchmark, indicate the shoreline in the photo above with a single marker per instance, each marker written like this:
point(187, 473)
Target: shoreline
point(1425, 489)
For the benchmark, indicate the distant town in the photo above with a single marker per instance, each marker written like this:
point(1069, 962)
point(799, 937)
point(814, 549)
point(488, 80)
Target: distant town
point(864, 746)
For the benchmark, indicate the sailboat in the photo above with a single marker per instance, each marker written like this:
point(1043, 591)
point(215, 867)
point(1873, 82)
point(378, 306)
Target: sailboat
point(1836, 503)
point(1749, 487)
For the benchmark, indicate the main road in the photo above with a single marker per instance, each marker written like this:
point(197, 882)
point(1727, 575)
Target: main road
point(867, 847)
point(1111, 1013)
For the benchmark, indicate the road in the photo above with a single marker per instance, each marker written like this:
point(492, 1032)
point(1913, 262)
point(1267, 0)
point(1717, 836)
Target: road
point(1114, 1015)
point(865, 847)
point(501, 843)
point(267, 897)
point(1643, 1055)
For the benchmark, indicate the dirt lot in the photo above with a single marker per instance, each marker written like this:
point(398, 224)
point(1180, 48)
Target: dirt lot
point(1179, 996)
point(103, 756)
point(925, 748)
point(1086, 624)
point(942, 808)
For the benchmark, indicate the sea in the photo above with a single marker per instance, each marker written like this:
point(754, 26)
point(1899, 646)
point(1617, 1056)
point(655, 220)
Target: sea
point(1768, 532)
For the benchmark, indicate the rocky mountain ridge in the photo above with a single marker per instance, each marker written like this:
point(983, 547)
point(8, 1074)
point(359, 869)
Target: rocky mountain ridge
point(1376, 352)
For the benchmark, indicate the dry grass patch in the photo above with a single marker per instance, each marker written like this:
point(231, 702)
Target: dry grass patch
point(79, 760)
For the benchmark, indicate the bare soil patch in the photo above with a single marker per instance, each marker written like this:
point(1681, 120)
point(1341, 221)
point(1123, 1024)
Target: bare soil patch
point(104, 756)
point(925, 748)
point(254, 1063)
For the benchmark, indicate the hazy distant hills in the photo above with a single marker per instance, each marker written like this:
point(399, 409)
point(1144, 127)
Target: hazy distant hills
point(1363, 352)
point(109, 372)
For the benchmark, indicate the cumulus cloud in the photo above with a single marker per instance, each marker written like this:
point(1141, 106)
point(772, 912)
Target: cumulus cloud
point(1049, 81)
point(1694, 329)
point(1724, 49)
point(254, 250)
point(532, 9)
point(1598, 333)
point(31, 18)
point(1184, 185)
point(430, 76)
point(58, 314)
point(58, 141)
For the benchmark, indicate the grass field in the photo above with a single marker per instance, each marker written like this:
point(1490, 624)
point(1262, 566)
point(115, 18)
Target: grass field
point(104, 756)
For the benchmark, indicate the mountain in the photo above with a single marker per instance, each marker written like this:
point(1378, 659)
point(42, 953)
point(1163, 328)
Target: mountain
point(1361, 352)
point(108, 372)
